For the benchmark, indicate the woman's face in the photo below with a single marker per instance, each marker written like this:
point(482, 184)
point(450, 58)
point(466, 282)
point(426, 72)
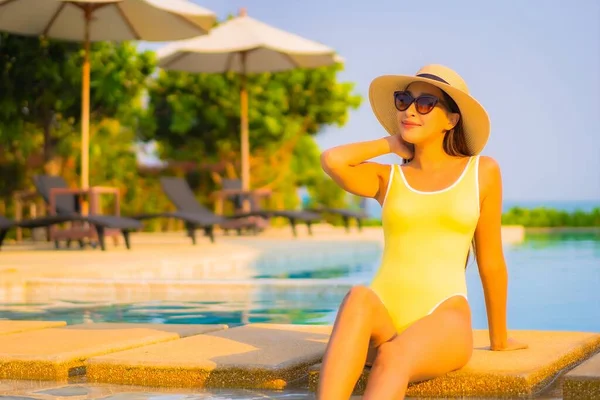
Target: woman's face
point(419, 128)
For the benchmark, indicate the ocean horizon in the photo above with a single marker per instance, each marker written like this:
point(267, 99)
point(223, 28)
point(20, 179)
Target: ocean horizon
point(374, 209)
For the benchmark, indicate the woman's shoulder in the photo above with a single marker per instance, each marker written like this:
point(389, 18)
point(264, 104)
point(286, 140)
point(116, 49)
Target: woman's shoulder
point(488, 165)
point(489, 172)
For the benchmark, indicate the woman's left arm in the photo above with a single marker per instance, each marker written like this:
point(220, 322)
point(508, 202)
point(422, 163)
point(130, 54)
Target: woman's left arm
point(490, 256)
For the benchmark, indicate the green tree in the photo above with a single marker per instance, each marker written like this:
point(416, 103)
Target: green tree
point(542, 217)
point(40, 108)
point(40, 91)
point(197, 118)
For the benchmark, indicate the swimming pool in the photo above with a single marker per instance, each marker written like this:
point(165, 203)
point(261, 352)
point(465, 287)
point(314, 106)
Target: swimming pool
point(553, 285)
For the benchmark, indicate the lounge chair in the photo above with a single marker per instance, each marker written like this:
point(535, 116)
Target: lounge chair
point(191, 212)
point(100, 223)
point(346, 214)
point(63, 206)
point(231, 192)
point(232, 188)
point(5, 226)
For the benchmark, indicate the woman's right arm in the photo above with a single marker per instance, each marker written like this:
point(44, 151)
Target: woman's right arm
point(347, 165)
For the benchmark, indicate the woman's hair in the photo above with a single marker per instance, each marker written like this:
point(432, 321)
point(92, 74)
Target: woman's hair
point(455, 144)
point(469, 253)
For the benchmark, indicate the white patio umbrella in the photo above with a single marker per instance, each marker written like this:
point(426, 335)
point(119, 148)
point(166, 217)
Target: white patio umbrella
point(245, 45)
point(103, 20)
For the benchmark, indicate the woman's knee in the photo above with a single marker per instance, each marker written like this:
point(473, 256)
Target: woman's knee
point(360, 297)
point(358, 304)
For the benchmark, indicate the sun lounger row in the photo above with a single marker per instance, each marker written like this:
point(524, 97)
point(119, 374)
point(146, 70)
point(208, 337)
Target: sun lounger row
point(64, 206)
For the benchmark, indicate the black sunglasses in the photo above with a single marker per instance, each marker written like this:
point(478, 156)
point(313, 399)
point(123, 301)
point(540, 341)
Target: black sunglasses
point(423, 103)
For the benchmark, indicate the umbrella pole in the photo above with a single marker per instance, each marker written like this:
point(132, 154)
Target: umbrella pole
point(245, 140)
point(85, 104)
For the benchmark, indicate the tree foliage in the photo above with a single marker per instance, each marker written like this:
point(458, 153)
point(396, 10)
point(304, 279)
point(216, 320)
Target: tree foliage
point(197, 117)
point(40, 103)
point(40, 88)
point(547, 217)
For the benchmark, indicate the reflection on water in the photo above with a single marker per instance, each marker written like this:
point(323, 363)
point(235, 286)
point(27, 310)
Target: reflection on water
point(323, 273)
point(313, 309)
point(563, 238)
point(77, 388)
point(553, 285)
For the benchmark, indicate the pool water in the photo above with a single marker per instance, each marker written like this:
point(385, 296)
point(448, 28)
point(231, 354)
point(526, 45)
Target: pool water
point(554, 284)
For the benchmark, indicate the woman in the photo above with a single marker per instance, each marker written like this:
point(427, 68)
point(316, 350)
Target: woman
point(413, 321)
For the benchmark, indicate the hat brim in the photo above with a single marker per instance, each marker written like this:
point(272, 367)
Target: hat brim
point(475, 119)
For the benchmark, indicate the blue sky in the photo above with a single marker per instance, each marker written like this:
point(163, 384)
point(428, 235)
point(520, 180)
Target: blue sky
point(535, 66)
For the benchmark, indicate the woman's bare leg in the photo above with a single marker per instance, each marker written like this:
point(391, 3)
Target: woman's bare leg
point(432, 346)
point(362, 320)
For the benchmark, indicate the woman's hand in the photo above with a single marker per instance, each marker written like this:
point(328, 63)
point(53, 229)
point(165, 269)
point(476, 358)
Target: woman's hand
point(400, 147)
point(511, 344)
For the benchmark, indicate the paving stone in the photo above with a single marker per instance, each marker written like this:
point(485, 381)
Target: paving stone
point(583, 382)
point(267, 356)
point(183, 330)
point(502, 373)
point(8, 327)
point(57, 353)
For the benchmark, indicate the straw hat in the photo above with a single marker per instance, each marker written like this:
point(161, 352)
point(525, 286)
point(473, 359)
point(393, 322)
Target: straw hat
point(475, 120)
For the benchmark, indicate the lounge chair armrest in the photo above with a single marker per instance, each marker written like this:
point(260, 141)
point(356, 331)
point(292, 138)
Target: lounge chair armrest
point(59, 191)
point(105, 190)
point(263, 192)
point(94, 190)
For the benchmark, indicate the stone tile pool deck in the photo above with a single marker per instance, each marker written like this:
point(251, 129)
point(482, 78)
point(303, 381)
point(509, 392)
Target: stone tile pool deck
point(271, 357)
point(50, 359)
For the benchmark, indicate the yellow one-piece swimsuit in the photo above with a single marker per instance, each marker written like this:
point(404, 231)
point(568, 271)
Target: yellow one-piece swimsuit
point(427, 239)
